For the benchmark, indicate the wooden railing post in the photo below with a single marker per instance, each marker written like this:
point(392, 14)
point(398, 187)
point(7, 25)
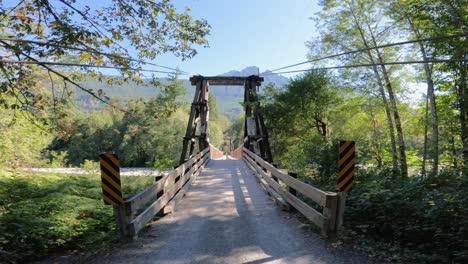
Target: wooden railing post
point(290, 189)
point(329, 212)
point(276, 166)
point(123, 217)
point(341, 203)
point(157, 179)
point(160, 193)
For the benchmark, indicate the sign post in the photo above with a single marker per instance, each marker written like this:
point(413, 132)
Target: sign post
point(346, 164)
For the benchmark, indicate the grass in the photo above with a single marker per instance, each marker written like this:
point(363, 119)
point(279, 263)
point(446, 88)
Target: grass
point(42, 214)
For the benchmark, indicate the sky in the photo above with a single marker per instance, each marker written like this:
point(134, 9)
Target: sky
point(268, 34)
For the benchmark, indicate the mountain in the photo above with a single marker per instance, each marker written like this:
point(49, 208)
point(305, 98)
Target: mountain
point(276, 79)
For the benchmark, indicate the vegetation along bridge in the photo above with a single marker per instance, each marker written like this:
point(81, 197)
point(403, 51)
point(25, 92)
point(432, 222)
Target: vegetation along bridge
point(227, 216)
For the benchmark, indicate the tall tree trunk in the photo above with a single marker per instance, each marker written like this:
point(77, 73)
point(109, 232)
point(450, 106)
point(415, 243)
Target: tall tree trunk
point(463, 106)
point(393, 102)
point(434, 119)
point(375, 139)
point(423, 166)
point(458, 11)
point(432, 102)
point(382, 94)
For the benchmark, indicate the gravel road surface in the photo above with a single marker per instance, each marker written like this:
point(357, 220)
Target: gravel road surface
point(226, 217)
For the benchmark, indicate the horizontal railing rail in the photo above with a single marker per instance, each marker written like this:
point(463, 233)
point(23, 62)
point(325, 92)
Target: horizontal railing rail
point(161, 194)
point(271, 178)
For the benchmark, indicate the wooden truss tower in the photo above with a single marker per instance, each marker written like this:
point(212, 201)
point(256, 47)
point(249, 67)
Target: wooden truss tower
point(255, 132)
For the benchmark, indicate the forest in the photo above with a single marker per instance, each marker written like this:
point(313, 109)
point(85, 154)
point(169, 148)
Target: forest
point(407, 203)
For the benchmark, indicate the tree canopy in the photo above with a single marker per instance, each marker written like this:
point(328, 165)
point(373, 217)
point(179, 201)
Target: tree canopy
point(118, 34)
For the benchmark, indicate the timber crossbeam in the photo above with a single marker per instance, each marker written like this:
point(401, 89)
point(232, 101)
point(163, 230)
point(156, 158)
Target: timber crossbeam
point(226, 80)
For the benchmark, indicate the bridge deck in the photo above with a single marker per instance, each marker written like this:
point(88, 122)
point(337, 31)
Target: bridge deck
point(226, 217)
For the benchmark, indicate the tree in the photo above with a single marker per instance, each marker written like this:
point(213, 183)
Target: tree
point(218, 123)
point(366, 30)
point(298, 119)
point(103, 34)
point(439, 18)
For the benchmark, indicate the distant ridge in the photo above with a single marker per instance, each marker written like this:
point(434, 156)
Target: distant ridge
point(276, 79)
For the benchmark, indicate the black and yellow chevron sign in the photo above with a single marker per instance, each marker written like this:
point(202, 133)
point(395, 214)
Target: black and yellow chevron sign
point(110, 177)
point(346, 166)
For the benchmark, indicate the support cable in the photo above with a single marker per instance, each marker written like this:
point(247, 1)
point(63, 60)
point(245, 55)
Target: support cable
point(87, 49)
point(81, 65)
point(370, 65)
point(371, 48)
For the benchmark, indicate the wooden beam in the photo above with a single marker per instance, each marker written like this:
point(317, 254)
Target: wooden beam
point(307, 190)
point(276, 197)
point(151, 192)
point(191, 125)
point(226, 80)
point(340, 211)
point(310, 213)
point(140, 221)
point(170, 207)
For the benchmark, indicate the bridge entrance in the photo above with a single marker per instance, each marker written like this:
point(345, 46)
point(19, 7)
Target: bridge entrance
point(255, 132)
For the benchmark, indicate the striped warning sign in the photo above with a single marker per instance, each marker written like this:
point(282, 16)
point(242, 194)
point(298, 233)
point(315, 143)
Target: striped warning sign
point(346, 166)
point(110, 177)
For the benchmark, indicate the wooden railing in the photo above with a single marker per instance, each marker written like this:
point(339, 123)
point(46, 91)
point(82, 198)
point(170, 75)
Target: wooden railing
point(163, 194)
point(284, 189)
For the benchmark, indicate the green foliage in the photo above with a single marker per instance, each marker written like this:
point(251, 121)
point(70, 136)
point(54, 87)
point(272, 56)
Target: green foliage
point(22, 138)
point(91, 167)
point(164, 163)
point(149, 131)
point(58, 159)
point(425, 215)
point(416, 219)
point(235, 133)
point(301, 124)
point(146, 28)
point(40, 214)
point(218, 123)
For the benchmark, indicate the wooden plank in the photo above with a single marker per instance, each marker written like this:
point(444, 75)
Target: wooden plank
point(273, 194)
point(140, 221)
point(122, 219)
point(340, 210)
point(329, 211)
point(309, 191)
point(309, 212)
point(170, 207)
point(191, 125)
point(151, 192)
point(225, 80)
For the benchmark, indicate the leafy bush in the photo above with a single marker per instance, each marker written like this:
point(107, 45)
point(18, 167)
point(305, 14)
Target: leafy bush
point(91, 167)
point(425, 215)
point(163, 163)
point(58, 159)
point(40, 214)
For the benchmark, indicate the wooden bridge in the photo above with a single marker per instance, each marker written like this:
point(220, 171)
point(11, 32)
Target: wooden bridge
point(238, 209)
